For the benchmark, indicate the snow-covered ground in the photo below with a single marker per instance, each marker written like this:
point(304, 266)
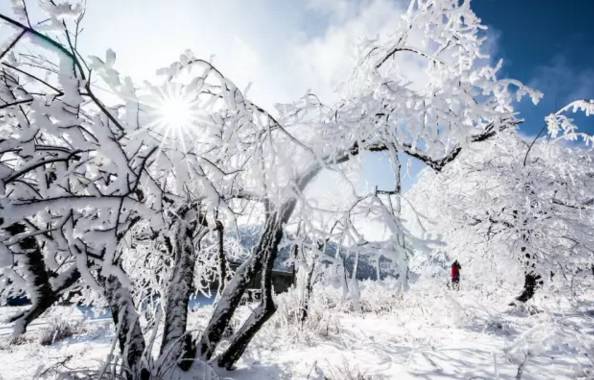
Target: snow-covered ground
point(430, 333)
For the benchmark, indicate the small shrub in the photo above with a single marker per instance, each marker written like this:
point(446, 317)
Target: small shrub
point(19, 340)
point(59, 330)
point(345, 371)
point(321, 322)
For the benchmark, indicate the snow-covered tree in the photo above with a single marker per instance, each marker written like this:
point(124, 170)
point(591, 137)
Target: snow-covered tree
point(531, 202)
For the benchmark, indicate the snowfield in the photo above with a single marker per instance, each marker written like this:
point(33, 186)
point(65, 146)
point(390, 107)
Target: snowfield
point(430, 333)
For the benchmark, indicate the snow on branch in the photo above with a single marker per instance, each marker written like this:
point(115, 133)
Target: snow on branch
point(561, 126)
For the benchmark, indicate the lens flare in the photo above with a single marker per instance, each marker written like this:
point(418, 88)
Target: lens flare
point(175, 113)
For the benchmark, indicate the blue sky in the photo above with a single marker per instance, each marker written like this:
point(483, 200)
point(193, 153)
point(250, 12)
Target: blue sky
point(548, 44)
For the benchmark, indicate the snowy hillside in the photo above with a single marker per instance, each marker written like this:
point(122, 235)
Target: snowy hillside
point(432, 333)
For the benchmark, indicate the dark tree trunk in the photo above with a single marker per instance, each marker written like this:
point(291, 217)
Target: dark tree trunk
point(177, 344)
point(264, 254)
point(531, 282)
point(23, 319)
point(222, 259)
point(232, 293)
point(42, 295)
point(127, 323)
point(240, 340)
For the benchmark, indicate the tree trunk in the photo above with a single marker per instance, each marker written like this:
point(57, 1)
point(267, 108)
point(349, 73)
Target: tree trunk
point(354, 291)
point(531, 282)
point(232, 293)
point(378, 274)
point(126, 319)
point(240, 340)
point(23, 319)
point(222, 259)
point(176, 344)
point(304, 312)
point(41, 294)
point(264, 254)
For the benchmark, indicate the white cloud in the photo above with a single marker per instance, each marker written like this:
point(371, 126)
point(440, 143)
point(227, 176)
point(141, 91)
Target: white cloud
point(335, 8)
point(561, 83)
point(328, 60)
point(282, 48)
point(276, 46)
point(245, 61)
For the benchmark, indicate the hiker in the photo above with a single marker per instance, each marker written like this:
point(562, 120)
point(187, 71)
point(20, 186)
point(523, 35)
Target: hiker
point(456, 275)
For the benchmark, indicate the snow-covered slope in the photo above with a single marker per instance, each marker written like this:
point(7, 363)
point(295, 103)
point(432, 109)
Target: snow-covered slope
point(432, 333)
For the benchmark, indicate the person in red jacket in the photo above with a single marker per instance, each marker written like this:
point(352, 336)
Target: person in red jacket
point(456, 275)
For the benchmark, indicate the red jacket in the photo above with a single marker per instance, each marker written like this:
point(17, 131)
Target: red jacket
point(455, 271)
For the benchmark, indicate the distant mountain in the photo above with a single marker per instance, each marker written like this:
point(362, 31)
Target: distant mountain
point(366, 269)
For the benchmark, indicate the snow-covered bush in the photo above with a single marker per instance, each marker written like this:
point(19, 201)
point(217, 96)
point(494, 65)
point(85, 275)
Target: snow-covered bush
point(554, 335)
point(343, 371)
point(60, 329)
point(381, 297)
point(327, 306)
point(321, 322)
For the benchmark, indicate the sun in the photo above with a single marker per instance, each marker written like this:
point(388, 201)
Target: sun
point(174, 111)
